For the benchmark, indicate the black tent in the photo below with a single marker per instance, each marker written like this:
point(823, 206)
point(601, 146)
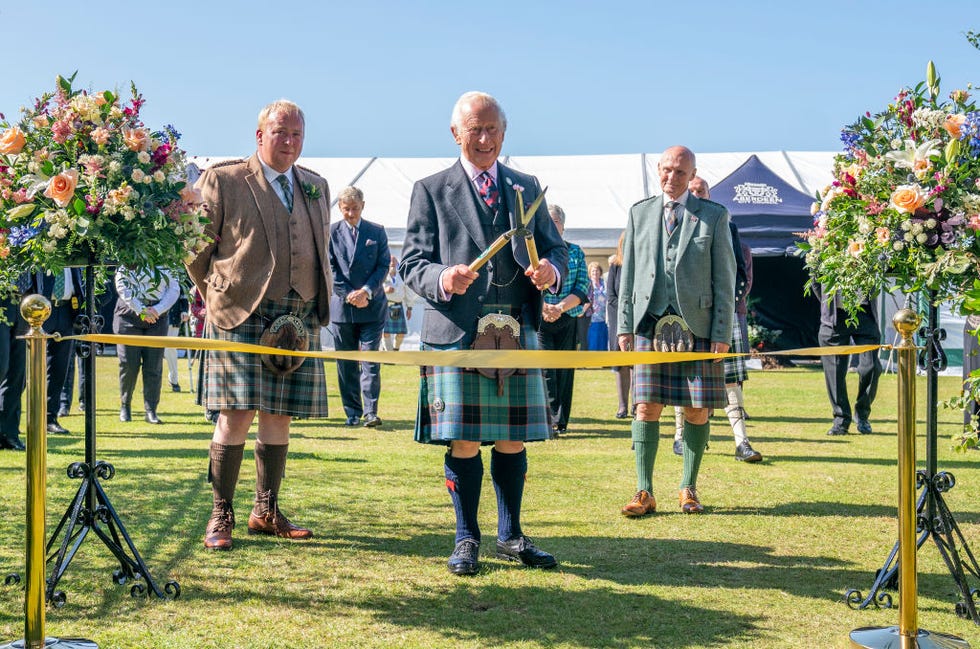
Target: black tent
point(770, 215)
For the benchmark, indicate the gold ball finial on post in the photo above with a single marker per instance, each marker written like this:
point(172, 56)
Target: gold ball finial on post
point(906, 323)
point(35, 309)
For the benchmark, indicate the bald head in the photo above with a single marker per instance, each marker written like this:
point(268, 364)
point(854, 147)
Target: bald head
point(676, 169)
point(699, 187)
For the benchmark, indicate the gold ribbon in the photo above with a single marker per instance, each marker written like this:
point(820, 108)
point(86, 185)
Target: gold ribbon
point(522, 359)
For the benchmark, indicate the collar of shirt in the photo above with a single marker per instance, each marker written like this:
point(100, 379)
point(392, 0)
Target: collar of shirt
point(680, 200)
point(473, 173)
point(271, 175)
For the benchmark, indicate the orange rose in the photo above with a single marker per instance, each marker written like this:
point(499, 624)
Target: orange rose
point(908, 198)
point(12, 141)
point(883, 235)
point(61, 189)
point(855, 248)
point(191, 196)
point(136, 139)
point(953, 125)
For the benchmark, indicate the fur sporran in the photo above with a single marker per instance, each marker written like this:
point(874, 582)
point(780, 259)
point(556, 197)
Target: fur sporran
point(285, 332)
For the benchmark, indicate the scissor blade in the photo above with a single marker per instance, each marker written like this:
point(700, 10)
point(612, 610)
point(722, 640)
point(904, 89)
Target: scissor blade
point(529, 213)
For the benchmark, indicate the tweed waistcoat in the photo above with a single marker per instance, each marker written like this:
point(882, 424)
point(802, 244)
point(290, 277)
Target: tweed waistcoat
point(295, 249)
point(665, 288)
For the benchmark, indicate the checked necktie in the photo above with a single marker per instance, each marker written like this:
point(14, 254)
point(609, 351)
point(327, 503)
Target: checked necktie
point(489, 192)
point(59, 286)
point(287, 191)
point(670, 216)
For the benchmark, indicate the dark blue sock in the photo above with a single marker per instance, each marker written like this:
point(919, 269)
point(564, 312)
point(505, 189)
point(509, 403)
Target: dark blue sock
point(508, 471)
point(464, 479)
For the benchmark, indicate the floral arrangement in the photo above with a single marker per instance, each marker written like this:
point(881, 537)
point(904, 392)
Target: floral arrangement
point(82, 180)
point(905, 200)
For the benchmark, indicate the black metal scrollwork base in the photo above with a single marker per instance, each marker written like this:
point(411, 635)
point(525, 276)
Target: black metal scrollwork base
point(90, 509)
point(933, 517)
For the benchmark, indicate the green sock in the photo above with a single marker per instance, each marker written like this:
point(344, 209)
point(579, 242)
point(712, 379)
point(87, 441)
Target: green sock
point(695, 439)
point(646, 438)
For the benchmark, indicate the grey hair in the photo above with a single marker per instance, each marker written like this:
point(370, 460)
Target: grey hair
point(350, 193)
point(472, 97)
point(555, 210)
point(282, 107)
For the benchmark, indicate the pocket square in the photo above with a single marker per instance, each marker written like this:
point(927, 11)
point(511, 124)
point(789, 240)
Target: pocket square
point(370, 242)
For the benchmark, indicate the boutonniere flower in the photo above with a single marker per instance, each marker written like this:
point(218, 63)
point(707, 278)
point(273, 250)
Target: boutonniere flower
point(312, 191)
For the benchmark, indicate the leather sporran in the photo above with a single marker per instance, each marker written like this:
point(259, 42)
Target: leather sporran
point(498, 331)
point(285, 332)
point(395, 311)
point(671, 334)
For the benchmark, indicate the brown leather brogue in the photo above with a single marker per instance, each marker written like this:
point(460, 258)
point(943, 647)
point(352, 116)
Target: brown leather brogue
point(217, 535)
point(274, 523)
point(643, 503)
point(689, 501)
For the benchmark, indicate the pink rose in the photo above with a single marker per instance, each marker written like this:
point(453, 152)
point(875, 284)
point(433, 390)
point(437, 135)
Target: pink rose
point(61, 189)
point(100, 136)
point(855, 248)
point(12, 141)
point(974, 222)
point(882, 235)
point(136, 139)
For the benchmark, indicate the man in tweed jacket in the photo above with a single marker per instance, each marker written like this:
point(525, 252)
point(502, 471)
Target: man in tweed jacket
point(269, 220)
point(454, 215)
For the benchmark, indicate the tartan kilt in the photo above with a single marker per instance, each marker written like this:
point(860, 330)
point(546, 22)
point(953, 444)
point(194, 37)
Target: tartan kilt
point(397, 324)
point(455, 403)
point(239, 380)
point(735, 368)
point(696, 384)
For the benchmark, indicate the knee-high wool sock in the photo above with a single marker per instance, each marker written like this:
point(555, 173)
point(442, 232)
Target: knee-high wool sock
point(464, 479)
point(646, 439)
point(508, 471)
point(695, 439)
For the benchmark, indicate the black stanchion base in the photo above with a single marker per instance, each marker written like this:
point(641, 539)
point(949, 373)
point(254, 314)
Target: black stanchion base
point(91, 511)
point(889, 638)
point(58, 643)
point(952, 546)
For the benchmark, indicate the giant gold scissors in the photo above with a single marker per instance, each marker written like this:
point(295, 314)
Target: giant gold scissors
point(524, 219)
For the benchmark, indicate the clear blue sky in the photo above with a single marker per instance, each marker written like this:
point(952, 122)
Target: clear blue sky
point(575, 77)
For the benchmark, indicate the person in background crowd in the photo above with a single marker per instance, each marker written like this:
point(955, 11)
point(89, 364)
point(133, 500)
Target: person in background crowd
point(454, 216)
point(199, 314)
point(971, 361)
point(559, 325)
point(66, 293)
point(836, 331)
point(736, 371)
point(268, 263)
point(359, 261)
point(175, 318)
point(623, 373)
point(399, 307)
point(13, 365)
point(598, 330)
point(678, 261)
point(145, 297)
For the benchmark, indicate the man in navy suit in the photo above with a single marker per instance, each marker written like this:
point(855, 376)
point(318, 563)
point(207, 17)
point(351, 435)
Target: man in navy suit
point(359, 259)
point(66, 295)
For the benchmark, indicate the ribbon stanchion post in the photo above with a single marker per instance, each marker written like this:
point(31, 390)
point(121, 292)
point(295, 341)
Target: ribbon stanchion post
point(907, 635)
point(36, 309)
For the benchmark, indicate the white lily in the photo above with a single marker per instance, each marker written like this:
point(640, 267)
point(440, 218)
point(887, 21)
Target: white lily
point(914, 157)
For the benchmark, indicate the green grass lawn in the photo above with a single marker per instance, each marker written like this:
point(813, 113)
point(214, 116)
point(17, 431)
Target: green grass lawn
point(766, 566)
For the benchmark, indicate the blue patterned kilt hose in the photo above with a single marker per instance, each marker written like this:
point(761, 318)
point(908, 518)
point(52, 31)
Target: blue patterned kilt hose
point(455, 403)
point(396, 323)
point(239, 381)
point(696, 384)
point(735, 369)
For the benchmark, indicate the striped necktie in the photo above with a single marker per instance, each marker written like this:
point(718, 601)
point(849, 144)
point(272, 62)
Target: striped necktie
point(287, 191)
point(489, 192)
point(670, 216)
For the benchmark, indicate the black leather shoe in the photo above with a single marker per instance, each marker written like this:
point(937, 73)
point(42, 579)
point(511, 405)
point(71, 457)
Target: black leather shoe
point(63, 411)
point(352, 421)
point(864, 426)
point(14, 444)
point(745, 453)
point(678, 447)
point(151, 417)
point(54, 428)
point(523, 550)
point(622, 414)
point(175, 387)
point(837, 430)
point(371, 420)
point(465, 559)
point(124, 414)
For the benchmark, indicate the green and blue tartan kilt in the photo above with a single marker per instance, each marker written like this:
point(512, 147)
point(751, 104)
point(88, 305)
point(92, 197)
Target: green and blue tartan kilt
point(735, 368)
point(696, 384)
point(396, 322)
point(239, 380)
point(455, 403)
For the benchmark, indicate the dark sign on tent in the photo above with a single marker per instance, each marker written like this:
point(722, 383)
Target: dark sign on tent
point(770, 215)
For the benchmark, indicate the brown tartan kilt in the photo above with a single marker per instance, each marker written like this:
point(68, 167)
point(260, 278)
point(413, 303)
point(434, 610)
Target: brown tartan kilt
point(696, 384)
point(239, 380)
point(459, 404)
